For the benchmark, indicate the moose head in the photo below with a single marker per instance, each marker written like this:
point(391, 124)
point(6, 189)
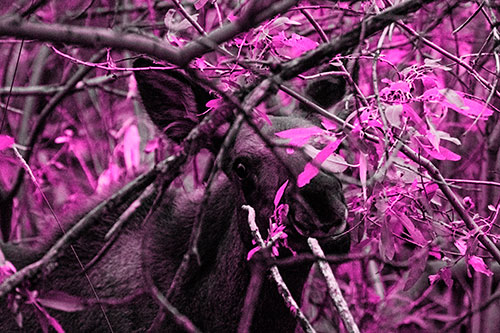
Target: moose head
point(252, 171)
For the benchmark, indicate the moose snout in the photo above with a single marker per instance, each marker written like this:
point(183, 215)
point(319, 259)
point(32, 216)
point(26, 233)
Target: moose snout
point(336, 226)
point(309, 225)
point(321, 211)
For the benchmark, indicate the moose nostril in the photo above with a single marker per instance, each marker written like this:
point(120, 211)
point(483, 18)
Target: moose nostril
point(326, 228)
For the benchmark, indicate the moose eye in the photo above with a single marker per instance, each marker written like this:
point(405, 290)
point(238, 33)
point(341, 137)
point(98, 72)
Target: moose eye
point(241, 170)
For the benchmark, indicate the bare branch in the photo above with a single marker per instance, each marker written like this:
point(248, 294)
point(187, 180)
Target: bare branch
point(348, 40)
point(333, 288)
point(90, 37)
point(99, 37)
point(43, 90)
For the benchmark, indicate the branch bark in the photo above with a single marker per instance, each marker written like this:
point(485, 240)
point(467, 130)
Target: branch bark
point(100, 37)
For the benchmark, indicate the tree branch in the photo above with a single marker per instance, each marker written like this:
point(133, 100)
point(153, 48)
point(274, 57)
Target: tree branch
point(170, 167)
point(90, 37)
point(282, 287)
point(100, 37)
point(333, 288)
point(342, 44)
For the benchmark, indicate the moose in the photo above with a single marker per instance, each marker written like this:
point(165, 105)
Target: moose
point(213, 294)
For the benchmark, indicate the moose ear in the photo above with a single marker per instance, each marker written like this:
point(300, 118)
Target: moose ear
point(173, 101)
point(327, 90)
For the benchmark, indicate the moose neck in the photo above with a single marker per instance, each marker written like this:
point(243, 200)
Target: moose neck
point(213, 294)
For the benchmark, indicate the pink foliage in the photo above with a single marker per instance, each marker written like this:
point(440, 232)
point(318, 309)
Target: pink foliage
point(435, 96)
point(6, 142)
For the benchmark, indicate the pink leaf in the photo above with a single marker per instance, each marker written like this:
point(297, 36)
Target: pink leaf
point(131, 148)
point(6, 270)
point(362, 172)
point(435, 252)
point(476, 108)
point(6, 142)
point(200, 4)
point(458, 102)
point(395, 55)
point(328, 124)
point(326, 152)
point(453, 100)
point(411, 114)
point(311, 169)
point(200, 64)
point(386, 243)
point(215, 103)
point(299, 136)
point(400, 85)
point(281, 24)
point(443, 274)
point(152, 145)
point(393, 114)
point(429, 82)
point(294, 45)
point(54, 323)
point(67, 137)
point(252, 252)
point(109, 176)
point(45, 318)
point(415, 234)
point(431, 189)
point(433, 278)
point(479, 266)
point(443, 154)
point(62, 139)
point(461, 246)
point(433, 136)
point(334, 163)
point(132, 87)
point(279, 193)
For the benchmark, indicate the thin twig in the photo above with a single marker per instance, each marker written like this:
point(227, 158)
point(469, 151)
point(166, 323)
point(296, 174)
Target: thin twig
point(333, 288)
point(53, 89)
point(75, 254)
point(342, 44)
point(451, 56)
point(128, 192)
point(45, 113)
point(282, 288)
point(92, 37)
point(114, 231)
point(179, 318)
point(180, 274)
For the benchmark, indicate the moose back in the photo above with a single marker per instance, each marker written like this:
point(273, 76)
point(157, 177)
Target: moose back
point(213, 293)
